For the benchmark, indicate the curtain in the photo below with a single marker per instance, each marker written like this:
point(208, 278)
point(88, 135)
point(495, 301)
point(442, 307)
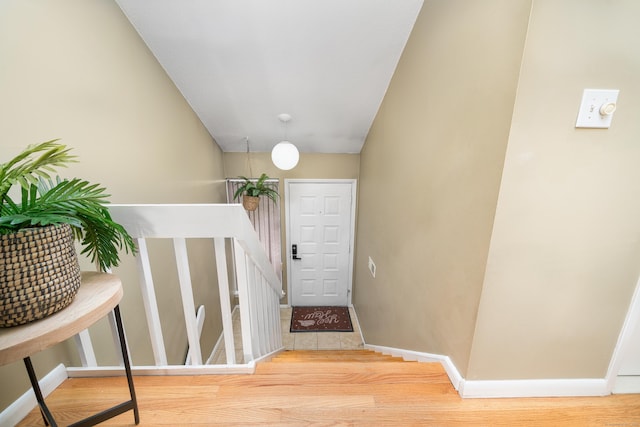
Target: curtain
point(265, 220)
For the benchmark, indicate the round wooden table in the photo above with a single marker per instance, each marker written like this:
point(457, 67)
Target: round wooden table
point(99, 293)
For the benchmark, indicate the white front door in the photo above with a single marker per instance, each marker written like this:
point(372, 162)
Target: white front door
point(320, 233)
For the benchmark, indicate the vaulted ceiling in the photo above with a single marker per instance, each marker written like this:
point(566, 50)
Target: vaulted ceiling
point(241, 63)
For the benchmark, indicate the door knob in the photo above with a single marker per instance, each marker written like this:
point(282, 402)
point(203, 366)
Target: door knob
point(294, 252)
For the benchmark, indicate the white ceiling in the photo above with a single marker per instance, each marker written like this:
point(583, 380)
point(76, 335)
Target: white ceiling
point(240, 63)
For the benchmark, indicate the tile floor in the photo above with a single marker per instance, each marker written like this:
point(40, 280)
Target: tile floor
point(320, 340)
point(298, 340)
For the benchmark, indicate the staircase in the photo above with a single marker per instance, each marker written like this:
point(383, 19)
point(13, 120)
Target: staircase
point(364, 372)
point(326, 388)
point(346, 357)
point(352, 367)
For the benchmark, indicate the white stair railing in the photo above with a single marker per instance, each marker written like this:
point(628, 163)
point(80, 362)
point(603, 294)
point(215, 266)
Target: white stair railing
point(259, 288)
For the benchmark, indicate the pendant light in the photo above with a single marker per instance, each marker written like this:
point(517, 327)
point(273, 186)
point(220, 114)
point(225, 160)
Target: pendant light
point(285, 155)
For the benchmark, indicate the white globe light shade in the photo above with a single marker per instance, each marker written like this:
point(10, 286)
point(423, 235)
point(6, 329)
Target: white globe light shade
point(285, 155)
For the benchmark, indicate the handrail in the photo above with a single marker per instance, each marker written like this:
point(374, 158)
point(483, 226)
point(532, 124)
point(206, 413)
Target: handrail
point(259, 288)
point(194, 221)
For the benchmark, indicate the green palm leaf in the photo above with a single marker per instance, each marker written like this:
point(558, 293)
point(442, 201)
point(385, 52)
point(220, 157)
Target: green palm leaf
point(25, 170)
point(45, 201)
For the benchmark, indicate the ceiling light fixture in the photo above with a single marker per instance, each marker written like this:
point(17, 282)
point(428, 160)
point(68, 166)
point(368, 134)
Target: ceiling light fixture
point(285, 155)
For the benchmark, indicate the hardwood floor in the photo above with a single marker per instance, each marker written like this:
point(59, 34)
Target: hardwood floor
point(327, 388)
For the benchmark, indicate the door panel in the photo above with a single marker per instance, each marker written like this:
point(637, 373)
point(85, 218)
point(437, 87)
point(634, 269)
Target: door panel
point(320, 226)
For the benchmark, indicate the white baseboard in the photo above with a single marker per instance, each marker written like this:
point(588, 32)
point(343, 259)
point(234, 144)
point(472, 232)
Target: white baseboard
point(353, 310)
point(451, 370)
point(504, 388)
point(535, 388)
point(118, 371)
point(19, 409)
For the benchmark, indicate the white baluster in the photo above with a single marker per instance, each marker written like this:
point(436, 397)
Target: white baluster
point(188, 306)
point(150, 304)
point(225, 300)
point(244, 302)
point(85, 348)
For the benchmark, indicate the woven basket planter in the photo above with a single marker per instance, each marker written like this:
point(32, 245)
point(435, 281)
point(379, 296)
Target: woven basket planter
point(39, 273)
point(250, 203)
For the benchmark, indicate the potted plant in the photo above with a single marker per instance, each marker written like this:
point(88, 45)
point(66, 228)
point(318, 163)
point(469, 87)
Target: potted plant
point(39, 270)
point(251, 190)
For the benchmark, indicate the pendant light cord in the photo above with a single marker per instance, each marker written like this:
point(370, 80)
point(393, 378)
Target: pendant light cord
point(249, 158)
point(286, 123)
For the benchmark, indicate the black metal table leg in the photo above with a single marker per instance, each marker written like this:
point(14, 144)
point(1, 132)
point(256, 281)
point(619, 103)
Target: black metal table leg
point(46, 414)
point(127, 364)
point(125, 406)
point(131, 404)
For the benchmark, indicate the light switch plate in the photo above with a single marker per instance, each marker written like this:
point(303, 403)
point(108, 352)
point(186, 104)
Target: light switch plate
point(589, 115)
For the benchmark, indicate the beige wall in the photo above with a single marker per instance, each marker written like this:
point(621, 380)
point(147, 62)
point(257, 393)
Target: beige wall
point(310, 166)
point(429, 176)
point(561, 259)
point(565, 252)
point(78, 71)
point(551, 278)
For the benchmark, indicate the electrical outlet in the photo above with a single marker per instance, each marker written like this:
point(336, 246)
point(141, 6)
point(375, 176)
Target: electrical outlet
point(372, 268)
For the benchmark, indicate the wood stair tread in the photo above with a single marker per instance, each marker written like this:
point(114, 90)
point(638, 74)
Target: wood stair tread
point(351, 368)
point(333, 355)
point(359, 366)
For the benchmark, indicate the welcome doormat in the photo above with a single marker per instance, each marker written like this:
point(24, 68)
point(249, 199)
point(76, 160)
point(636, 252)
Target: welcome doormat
point(320, 319)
